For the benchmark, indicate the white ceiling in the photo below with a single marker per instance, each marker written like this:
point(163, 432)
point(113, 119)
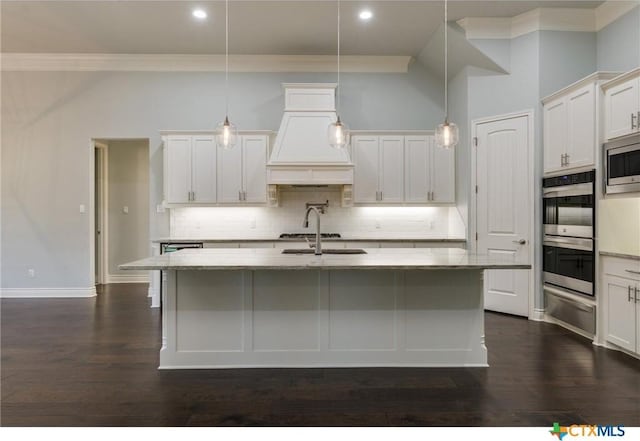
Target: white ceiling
point(256, 27)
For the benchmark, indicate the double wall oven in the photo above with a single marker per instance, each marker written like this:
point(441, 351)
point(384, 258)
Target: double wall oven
point(568, 257)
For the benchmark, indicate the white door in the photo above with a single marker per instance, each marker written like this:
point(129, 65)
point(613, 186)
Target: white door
point(366, 161)
point(443, 177)
point(391, 176)
point(622, 104)
point(178, 163)
point(504, 209)
point(230, 174)
point(417, 179)
point(555, 134)
point(581, 115)
point(254, 174)
point(204, 169)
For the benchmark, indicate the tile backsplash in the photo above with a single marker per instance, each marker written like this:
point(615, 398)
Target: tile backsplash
point(247, 222)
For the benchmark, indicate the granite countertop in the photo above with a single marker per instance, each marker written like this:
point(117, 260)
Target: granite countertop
point(622, 255)
point(344, 238)
point(376, 258)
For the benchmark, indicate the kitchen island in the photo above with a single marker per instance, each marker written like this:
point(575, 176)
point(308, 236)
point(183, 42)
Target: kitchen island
point(237, 308)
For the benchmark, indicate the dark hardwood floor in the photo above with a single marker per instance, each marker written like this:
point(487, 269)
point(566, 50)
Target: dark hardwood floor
point(92, 362)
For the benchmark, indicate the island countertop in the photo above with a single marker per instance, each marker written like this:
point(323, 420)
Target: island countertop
point(376, 258)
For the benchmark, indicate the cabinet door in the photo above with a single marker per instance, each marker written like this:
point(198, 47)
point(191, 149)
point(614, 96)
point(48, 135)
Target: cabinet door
point(621, 312)
point(254, 168)
point(417, 179)
point(622, 102)
point(443, 174)
point(366, 160)
point(392, 168)
point(203, 169)
point(555, 134)
point(581, 115)
point(230, 174)
point(178, 169)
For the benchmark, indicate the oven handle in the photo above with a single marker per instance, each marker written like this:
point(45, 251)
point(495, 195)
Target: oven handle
point(584, 189)
point(574, 244)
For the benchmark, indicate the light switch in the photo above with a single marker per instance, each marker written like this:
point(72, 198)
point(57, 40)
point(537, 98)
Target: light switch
point(125, 209)
point(83, 209)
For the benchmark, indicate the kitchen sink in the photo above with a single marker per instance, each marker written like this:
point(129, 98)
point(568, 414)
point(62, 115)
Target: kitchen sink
point(326, 251)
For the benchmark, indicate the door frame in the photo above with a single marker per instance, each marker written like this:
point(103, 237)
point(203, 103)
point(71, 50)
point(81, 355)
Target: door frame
point(473, 213)
point(103, 188)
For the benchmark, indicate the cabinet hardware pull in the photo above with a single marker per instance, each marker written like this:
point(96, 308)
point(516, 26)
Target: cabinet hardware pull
point(632, 271)
point(635, 294)
point(239, 195)
point(244, 195)
point(193, 195)
point(633, 124)
point(629, 293)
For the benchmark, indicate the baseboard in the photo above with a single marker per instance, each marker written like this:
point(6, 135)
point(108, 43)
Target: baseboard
point(537, 315)
point(29, 293)
point(127, 278)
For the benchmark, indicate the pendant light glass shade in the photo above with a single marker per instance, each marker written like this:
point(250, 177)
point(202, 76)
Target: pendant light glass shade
point(338, 134)
point(226, 135)
point(447, 135)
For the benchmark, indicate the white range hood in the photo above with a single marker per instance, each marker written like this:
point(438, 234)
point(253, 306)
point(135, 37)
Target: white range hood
point(301, 153)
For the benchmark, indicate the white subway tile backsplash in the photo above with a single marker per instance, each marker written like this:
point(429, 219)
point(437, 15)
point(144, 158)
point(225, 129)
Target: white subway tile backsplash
point(236, 222)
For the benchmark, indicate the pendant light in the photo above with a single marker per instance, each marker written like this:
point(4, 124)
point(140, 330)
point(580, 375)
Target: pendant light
point(226, 133)
point(447, 133)
point(338, 131)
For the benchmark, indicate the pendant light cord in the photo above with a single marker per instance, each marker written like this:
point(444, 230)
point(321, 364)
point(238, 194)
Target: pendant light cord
point(338, 107)
point(226, 58)
point(446, 67)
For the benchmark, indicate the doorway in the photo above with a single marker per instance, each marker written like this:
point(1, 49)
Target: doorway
point(120, 209)
point(504, 194)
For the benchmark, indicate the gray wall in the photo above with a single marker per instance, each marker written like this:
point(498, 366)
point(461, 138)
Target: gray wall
point(128, 186)
point(49, 119)
point(618, 44)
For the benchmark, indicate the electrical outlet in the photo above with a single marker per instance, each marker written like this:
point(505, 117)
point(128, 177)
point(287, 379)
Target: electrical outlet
point(31, 272)
point(159, 208)
point(377, 224)
point(125, 209)
point(83, 209)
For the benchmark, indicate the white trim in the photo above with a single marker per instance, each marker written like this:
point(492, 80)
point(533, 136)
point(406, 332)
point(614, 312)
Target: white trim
point(201, 63)
point(473, 215)
point(537, 315)
point(27, 293)
point(127, 278)
point(546, 19)
point(610, 11)
point(596, 76)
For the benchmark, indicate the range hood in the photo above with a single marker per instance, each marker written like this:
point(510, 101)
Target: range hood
point(301, 153)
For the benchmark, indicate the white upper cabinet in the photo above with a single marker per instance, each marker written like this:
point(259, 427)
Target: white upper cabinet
point(391, 174)
point(402, 169)
point(190, 164)
point(555, 134)
point(366, 159)
point(581, 120)
point(378, 169)
point(242, 171)
point(622, 105)
point(429, 171)
point(570, 117)
point(254, 171)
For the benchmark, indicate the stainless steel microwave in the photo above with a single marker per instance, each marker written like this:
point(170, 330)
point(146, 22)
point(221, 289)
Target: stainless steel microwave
point(622, 158)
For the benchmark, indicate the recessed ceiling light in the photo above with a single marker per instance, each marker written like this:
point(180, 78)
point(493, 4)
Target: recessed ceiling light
point(199, 14)
point(365, 14)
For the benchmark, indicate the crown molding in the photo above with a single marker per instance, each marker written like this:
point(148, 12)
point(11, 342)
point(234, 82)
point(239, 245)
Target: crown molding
point(201, 63)
point(546, 19)
point(611, 10)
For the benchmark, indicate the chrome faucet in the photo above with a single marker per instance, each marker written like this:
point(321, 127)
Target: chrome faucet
point(305, 224)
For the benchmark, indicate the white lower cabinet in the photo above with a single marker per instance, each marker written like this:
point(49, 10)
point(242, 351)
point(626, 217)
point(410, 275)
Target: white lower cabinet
point(621, 290)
